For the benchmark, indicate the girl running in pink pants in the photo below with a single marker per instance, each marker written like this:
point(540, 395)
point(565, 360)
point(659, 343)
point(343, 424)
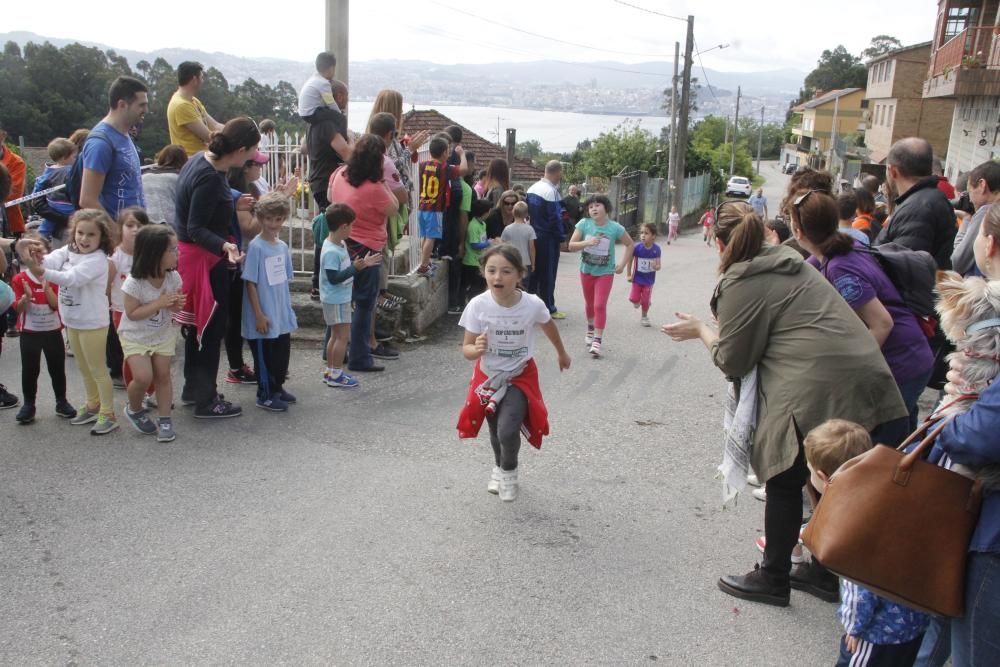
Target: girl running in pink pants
point(642, 270)
point(596, 237)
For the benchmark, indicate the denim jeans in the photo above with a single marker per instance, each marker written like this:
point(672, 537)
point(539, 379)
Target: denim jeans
point(936, 646)
point(895, 432)
point(974, 637)
point(365, 296)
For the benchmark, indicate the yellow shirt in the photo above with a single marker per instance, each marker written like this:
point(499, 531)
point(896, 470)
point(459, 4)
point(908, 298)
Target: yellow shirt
point(180, 112)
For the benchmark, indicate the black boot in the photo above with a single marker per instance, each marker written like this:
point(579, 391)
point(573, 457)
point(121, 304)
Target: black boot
point(816, 580)
point(756, 586)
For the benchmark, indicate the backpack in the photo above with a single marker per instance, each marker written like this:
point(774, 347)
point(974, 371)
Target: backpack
point(74, 180)
point(913, 273)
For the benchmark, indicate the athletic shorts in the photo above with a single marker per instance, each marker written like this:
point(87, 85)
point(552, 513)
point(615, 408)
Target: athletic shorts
point(336, 313)
point(431, 224)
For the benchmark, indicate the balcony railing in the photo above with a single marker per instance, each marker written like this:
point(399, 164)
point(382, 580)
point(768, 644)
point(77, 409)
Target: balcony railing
point(972, 48)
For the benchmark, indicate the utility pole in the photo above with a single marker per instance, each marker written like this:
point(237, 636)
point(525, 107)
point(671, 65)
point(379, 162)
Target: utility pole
point(736, 120)
point(833, 135)
point(672, 156)
point(760, 138)
point(726, 139)
point(337, 24)
point(684, 117)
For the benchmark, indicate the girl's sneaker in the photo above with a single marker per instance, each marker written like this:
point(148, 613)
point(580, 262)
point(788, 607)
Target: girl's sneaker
point(7, 399)
point(84, 416)
point(26, 414)
point(165, 431)
point(64, 409)
point(242, 375)
point(588, 339)
point(508, 485)
point(494, 484)
point(595, 348)
point(286, 397)
point(645, 321)
point(140, 421)
point(344, 381)
point(104, 425)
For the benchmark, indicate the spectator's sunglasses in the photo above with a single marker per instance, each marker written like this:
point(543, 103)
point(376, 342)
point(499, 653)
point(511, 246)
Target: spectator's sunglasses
point(718, 208)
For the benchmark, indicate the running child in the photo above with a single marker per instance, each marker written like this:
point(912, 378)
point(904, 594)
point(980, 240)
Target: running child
point(707, 221)
point(81, 271)
point(36, 302)
point(504, 391)
point(336, 281)
point(472, 284)
point(130, 220)
point(642, 271)
point(673, 224)
point(522, 236)
point(597, 236)
point(268, 318)
point(435, 196)
point(152, 294)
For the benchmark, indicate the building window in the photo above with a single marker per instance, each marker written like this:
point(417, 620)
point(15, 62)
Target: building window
point(958, 19)
point(888, 70)
point(892, 112)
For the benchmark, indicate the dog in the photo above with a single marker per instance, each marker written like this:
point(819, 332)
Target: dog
point(969, 309)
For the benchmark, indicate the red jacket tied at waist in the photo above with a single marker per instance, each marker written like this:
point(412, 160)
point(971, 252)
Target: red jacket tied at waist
point(536, 421)
point(194, 263)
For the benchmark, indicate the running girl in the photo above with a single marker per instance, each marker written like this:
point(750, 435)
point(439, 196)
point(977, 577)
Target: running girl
point(500, 337)
point(148, 334)
point(80, 269)
point(596, 236)
point(707, 220)
point(642, 272)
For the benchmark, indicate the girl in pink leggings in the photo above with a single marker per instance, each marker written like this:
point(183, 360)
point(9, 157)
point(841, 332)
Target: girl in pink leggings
point(596, 237)
point(642, 271)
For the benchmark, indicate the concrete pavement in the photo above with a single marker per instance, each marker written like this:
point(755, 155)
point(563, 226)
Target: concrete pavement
point(356, 529)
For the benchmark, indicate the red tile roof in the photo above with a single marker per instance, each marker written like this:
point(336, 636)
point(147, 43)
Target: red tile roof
point(522, 171)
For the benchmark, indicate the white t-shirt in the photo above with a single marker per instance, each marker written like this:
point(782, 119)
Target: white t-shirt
point(83, 287)
point(158, 328)
point(510, 332)
point(123, 267)
point(316, 92)
point(674, 218)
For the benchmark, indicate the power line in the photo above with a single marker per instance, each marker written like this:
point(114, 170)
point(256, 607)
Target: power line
point(547, 38)
point(704, 73)
point(650, 11)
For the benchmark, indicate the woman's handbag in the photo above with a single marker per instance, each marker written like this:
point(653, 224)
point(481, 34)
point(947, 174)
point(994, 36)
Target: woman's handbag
point(898, 525)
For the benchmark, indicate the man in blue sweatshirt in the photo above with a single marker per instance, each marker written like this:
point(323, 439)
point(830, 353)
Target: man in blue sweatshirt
point(545, 212)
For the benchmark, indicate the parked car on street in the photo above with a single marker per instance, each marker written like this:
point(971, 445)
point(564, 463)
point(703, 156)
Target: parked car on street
point(738, 186)
point(789, 168)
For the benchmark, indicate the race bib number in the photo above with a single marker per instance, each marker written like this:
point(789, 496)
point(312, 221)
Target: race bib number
point(598, 255)
point(506, 339)
point(39, 317)
point(274, 268)
point(645, 265)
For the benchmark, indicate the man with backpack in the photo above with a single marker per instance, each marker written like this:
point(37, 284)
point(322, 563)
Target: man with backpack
point(108, 173)
point(924, 218)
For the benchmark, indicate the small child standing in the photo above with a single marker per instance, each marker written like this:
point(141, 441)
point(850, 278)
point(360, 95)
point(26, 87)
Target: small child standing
point(268, 318)
point(522, 236)
point(597, 236)
point(876, 631)
point(336, 280)
point(130, 221)
point(435, 196)
point(37, 305)
point(152, 293)
point(475, 243)
point(642, 271)
point(81, 271)
point(504, 391)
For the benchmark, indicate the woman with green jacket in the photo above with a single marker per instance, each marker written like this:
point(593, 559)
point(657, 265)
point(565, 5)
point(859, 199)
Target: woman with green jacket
point(815, 361)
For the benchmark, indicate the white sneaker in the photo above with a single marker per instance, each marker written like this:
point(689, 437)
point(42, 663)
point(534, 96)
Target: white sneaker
point(759, 493)
point(508, 485)
point(595, 348)
point(494, 484)
point(588, 339)
point(752, 480)
point(645, 321)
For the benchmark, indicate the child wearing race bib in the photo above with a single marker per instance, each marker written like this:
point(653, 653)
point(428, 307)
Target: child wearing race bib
point(81, 271)
point(500, 337)
point(152, 294)
point(268, 318)
point(36, 302)
point(596, 237)
point(642, 271)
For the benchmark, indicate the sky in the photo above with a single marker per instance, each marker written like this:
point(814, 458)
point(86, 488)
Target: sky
point(772, 34)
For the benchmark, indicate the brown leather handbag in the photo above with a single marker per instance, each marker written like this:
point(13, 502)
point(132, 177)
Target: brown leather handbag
point(898, 525)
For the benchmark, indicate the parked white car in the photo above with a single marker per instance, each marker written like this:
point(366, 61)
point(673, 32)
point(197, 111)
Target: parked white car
point(738, 185)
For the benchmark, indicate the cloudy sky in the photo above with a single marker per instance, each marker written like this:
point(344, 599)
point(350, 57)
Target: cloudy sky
point(762, 35)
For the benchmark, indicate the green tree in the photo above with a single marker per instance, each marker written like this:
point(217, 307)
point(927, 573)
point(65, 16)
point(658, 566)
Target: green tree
point(528, 149)
point(627, 145)
point(881, 45)
point(835, 69)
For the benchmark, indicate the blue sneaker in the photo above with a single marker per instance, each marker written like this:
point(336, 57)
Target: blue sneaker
point(274, 404)
point(286, 397)
point(344, 381)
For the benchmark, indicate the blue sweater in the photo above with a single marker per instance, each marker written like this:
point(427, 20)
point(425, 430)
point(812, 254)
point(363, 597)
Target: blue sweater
point(545, 210)
point(971, 439)
point(877, 620)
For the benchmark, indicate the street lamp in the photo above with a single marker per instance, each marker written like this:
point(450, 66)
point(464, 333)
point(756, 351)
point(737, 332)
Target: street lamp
point(717, 46)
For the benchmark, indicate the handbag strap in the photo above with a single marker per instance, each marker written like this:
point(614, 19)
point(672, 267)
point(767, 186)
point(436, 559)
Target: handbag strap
point(925, 445)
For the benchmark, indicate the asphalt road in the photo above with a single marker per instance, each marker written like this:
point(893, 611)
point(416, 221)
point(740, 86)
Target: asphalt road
point(356, 529)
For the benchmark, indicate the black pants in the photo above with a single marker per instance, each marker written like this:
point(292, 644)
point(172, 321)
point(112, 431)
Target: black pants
point(473, 284)
point(270, 358)
point(505, 428)
point(884, 655)
point(201, 362)
point(322, 202)
point(234, 324)
point(33, 345)
point(783, 518)
point(116, 358)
